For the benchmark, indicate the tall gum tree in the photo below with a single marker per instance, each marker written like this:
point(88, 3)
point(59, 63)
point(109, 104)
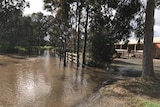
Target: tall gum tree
point(10, 22)
point(148, 70)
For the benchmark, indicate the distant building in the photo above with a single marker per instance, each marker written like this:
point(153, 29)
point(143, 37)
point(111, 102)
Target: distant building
point(133, 48)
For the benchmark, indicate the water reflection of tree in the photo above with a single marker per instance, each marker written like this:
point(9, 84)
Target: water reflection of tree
point(79, 77)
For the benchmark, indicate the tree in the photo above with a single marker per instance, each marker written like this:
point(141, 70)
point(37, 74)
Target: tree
point(148, 70)
point(111, 22)
point(62, 8)
point(10, 15)
point(85, 36)
point(79, 9)
point(39, 27)
point(109, 18)
point(158, 3)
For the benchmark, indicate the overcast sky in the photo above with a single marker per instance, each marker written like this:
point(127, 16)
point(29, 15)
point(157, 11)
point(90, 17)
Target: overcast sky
point(37, 6)
point(157, 23)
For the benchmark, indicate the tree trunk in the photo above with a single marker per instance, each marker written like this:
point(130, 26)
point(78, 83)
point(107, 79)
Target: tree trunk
point(78, 38)
point(64, 64)
point(148, 70)
point(85, 39)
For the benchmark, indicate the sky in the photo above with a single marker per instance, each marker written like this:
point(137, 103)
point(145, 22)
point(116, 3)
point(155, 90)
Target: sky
point(157, 23)
point(37, 6)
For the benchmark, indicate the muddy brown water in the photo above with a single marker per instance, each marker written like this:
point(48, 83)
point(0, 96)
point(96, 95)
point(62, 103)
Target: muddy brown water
point(41, 82)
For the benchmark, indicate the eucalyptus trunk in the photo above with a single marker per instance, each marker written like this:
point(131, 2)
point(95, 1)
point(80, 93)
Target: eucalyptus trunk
point(64, 64)
point(85, 38)
point(148, 70)
point(78, 38)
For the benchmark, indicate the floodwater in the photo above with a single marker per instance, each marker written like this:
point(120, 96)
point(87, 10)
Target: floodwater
point(42, 82)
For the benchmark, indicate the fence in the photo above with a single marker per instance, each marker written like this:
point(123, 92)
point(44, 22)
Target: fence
point(72, 57)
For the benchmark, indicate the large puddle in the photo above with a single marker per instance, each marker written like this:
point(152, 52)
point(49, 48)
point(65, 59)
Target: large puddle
point(42, 82)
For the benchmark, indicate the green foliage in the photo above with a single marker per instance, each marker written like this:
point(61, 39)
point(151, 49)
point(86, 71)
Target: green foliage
point(22, 31)
point(11, 23)
point(46, 47)
point(109, 22)
point(21, 49)
point(102, 48)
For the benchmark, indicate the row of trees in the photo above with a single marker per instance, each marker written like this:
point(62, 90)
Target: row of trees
point(87, 26)
point(22, 32)
point(98, 23)
point(102, 23)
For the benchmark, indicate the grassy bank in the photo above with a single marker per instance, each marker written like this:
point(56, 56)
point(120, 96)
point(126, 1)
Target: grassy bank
point(136, 91)
point(137, 102)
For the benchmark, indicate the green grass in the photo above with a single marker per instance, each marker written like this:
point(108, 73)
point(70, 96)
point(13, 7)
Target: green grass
point(46, 47)
point(143, 103)
point(22, 49)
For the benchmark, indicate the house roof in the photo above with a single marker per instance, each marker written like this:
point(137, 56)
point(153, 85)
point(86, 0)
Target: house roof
point(135, 41)
point(156, 40)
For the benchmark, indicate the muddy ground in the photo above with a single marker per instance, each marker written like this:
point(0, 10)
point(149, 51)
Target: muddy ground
point(121, 92)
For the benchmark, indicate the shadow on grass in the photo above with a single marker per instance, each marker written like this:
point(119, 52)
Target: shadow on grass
point(122, 63)
point(99, 76)
point(139, 86)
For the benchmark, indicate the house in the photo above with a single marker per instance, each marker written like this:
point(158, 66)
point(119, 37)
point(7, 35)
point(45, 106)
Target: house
point(156, 47)
point(133, 48)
